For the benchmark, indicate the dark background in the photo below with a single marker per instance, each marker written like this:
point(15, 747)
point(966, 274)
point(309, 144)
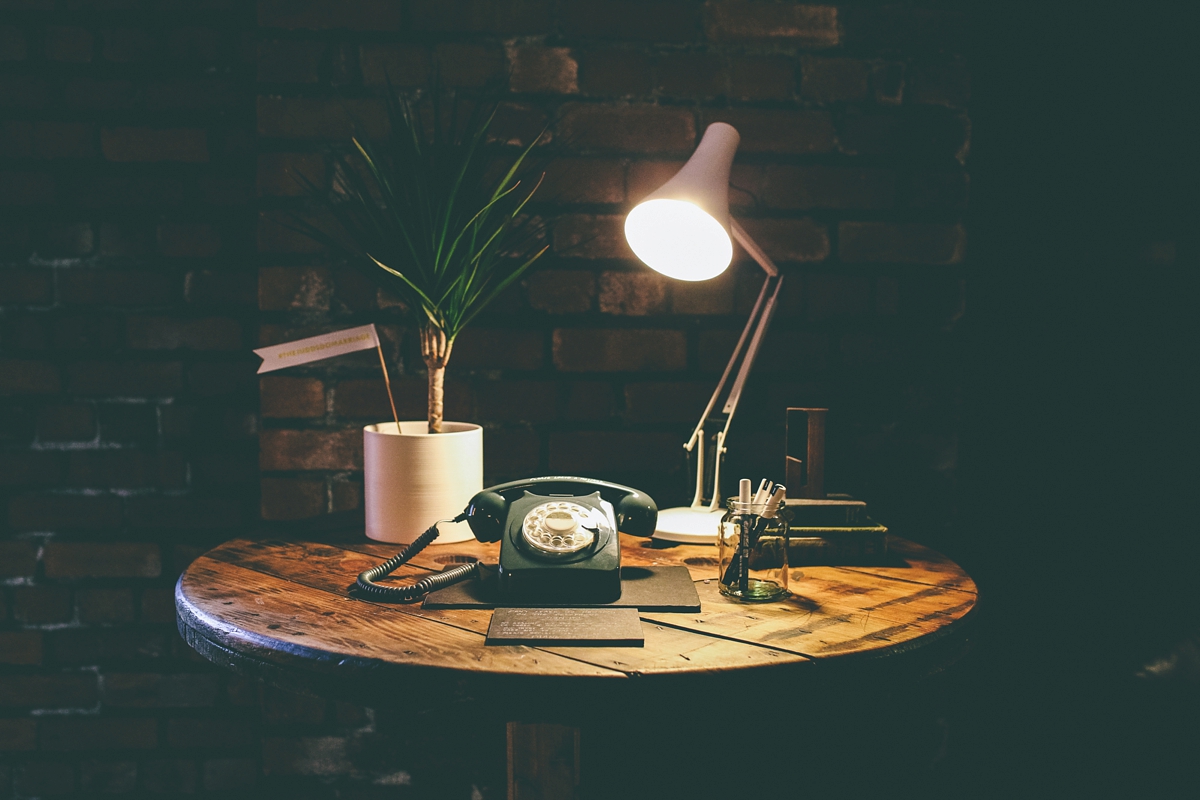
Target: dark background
point(1022, 404)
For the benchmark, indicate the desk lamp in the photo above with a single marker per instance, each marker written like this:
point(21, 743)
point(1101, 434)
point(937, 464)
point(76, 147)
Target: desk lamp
point(683, 230)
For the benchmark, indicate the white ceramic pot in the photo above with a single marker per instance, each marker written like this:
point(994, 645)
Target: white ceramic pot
point(413, 478)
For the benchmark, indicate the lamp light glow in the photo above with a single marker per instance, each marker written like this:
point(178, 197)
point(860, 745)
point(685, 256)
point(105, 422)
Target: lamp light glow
point(678, 239)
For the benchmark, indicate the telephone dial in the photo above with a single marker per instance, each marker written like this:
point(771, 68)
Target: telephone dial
point(558, 541)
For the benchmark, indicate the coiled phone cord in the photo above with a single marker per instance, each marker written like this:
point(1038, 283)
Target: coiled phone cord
point(413, 591)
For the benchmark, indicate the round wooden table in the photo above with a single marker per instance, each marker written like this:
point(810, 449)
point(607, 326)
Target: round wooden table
point(281, 610)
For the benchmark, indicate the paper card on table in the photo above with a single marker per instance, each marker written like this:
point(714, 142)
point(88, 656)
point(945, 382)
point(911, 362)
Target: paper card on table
point(316, 348)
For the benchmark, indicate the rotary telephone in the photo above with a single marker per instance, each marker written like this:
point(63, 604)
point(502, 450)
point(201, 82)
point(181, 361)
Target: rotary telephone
point(558, 541)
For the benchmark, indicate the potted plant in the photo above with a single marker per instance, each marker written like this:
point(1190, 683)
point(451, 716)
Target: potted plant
point(430, 213)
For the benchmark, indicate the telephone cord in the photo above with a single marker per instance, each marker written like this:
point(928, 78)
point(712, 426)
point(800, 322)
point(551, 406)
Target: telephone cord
point(413, 591)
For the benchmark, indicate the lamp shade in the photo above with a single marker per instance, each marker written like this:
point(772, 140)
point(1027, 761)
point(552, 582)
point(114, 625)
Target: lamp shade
point(682, 229)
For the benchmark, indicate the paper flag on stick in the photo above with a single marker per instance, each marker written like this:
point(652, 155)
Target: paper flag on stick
point(317, 348)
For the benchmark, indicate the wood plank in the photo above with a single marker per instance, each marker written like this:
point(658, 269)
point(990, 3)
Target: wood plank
point(919, 564)
point(270, 617)
point(828, 617)
point(543, 761)
point(667, 650)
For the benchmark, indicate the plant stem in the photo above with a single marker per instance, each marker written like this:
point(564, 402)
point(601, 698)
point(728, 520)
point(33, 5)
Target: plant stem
point(435, 350)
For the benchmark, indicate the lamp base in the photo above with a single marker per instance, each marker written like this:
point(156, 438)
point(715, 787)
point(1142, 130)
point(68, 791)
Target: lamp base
point(690, 525)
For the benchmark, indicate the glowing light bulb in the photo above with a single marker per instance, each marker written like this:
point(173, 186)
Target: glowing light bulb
point(678, 239)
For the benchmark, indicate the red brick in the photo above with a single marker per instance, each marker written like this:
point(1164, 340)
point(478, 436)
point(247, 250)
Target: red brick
point(20, 648)
point(640, 129)
point(214, 379)
point(647, 176)
point(188, 240)
point(590, 401)
point(25, 189)
point(591, 236)
point(833, 80)
point(53, 512)
point(214, 288)
point(125, 240)
point(817, 186)
point(150, 690)
point(201, 45)
point(345, 495)
point(614, 73)
point(170, 333)
point(173, 775)
point(69, 44)
point(46, 779)
point(12, 44)
point(158, 605)
point(276, 236)
point(937, 299)
point(72, 733)
point(355, 15)
point(125, 379)
point(66, 690)
point(294, 289)
point(830, 296)
point(692, 75)
point(289, 498)
point(583, 180)
point(368, 399)
point(592, 350)
point(665, 402)
point(216, 511)
point(310, 756)
point(400, 64)
point(465, 64)
point(108, 777)
point(927, 132)
point(632, 293)
point(517, 401)
point(285, 397)
point(66, 240)
point(288, 708)
point(788, 239)
point(104, 606)
point(26, 286)
point(782, 351)
point(68, 560)
point(18, 734)
point(788, 23)
point(17, 559)
point(559, 291)
point(41, 605)
point(498, 348)
point(209, 734)
point(906, 29)
point(713, 296)
point(193, 95)
point(224, 469)
point(129, 423)
point(660, 21)
point(543, 70)
point(778, 131)
point(938, 190)
point(154, 144)
point(318, 117)
point(289, 61)
point(946, 84)
point(761, 78)
point(30, 469)
point(885, 242)
point(230, 774)
point(289, 449)
point(85, 647)
point(117, 287)
point(887, 81)
point(127, 469)
point(278, 173)
point(611, 452)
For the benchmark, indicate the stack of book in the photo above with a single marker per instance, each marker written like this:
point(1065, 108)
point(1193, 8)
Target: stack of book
point(833, 531)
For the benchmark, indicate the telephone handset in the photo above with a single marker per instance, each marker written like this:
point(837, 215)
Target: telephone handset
point(558, 541)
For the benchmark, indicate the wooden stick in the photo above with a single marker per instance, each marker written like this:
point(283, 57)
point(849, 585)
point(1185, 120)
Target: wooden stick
point(388, 383)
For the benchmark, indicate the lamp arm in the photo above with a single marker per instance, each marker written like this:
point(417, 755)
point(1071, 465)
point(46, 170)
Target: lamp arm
point(752, 249)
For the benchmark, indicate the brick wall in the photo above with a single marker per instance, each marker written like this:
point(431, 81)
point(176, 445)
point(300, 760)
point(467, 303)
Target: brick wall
point(144, 151)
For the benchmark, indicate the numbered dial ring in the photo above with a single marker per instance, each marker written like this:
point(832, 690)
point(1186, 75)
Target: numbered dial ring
point(561, 528)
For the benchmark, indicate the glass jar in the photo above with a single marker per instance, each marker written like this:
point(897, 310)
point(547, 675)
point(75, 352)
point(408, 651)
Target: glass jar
point(752, 552)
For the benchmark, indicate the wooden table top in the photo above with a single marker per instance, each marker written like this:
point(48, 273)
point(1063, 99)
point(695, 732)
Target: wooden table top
point(280, 608)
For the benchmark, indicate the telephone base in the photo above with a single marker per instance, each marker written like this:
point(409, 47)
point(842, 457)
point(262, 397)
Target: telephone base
point(688, 525)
